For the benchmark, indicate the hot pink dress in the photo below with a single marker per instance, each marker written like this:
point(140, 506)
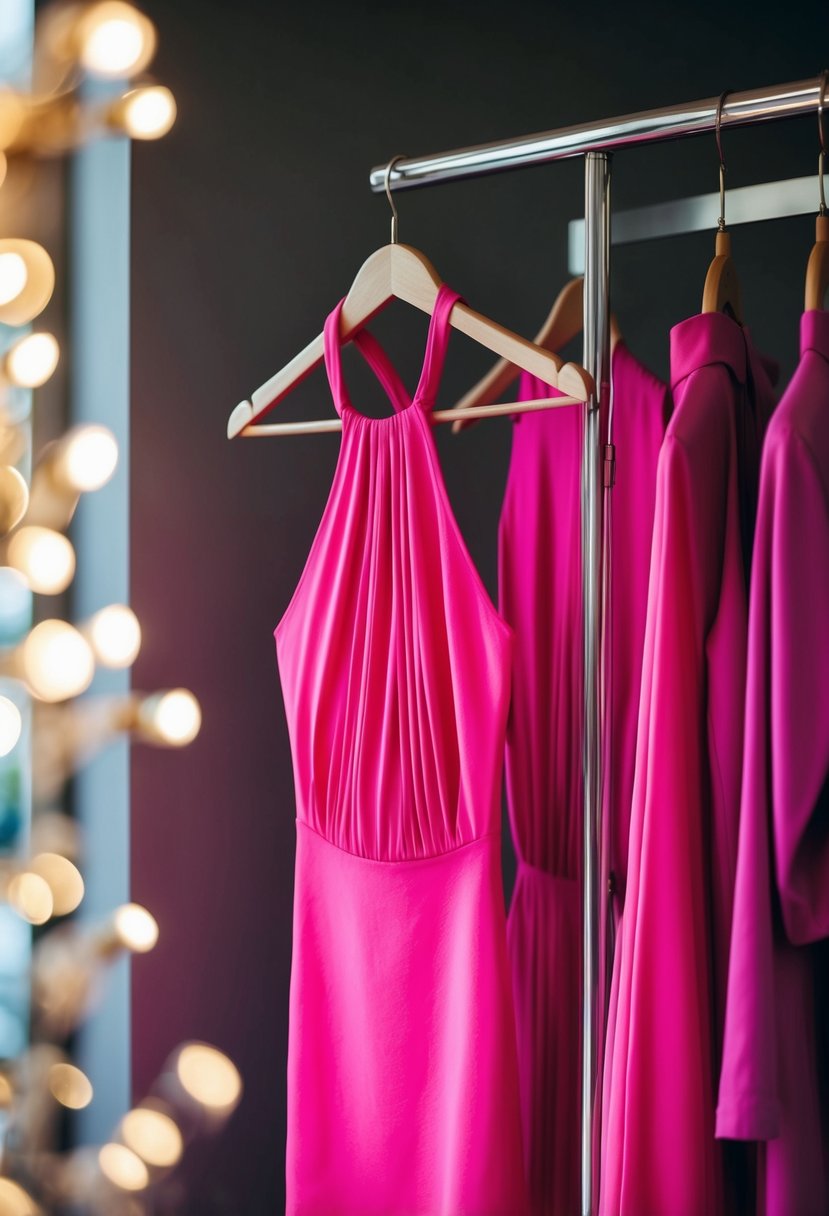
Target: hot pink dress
point(540, 596)
point(395, 668)
point(774, 1085)
point(664, 1037)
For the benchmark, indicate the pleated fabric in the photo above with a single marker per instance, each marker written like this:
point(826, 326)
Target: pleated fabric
point(540, 596)
point(395, 669)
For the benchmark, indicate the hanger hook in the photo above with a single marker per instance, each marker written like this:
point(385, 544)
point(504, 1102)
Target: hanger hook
point(821, 159)
point(718, 132)
point(387, 183)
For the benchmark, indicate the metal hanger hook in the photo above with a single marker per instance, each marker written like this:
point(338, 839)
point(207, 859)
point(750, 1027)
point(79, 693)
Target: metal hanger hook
point(387, 183)
point(718, 133)
point(821, 160)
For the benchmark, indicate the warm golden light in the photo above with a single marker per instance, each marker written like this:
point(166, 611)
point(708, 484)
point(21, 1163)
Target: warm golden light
point(57, 663)
point(123, 1167)
point(87, 458)
point(32, 360)
point(69, 1086)
point(137, 928)
point(145, 113)
point(14, 1201)
point(44, 557)
point(153, 1136)
point(63, 878)
point(11, 725)
point(13, 276)
point(209, 1077)
point(14, 498)
point(172, 717)
point(29, 895)
point(115, 39)
point(4, 166)
point(6, 1092)
point(27, 280)
point(115, 635)
point(12, 113)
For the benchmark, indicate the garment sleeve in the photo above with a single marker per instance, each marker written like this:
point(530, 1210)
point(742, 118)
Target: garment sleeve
point(782, 840)
point(748, 1108)
point(659, 1128)
point(799, 701)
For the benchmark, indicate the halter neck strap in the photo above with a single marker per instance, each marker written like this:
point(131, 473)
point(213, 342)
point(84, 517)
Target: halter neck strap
point(379, 362)
point(375, 357)
point(436, 345)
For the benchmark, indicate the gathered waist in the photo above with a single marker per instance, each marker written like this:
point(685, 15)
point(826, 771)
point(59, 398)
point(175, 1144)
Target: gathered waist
point(489, 840)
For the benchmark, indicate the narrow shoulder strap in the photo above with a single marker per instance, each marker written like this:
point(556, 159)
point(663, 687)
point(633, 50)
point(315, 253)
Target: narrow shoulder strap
point(383, 368)
point(436, 344)
point(333, 359)
point(375, 357)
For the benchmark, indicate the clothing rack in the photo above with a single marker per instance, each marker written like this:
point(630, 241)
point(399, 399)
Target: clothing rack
point(596, 141)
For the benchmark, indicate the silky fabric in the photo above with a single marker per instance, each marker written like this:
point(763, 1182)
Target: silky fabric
point(664, 1037)
point(395, 668)
point(773, 1084)
point(540, 596)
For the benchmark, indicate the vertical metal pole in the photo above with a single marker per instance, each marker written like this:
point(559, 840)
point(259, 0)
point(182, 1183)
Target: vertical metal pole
point(597, 362)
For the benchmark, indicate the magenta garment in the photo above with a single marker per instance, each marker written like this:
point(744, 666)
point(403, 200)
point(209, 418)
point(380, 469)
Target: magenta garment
point(641, 409)
point(774, 1084)
point(540, 596)
point(395, 667)
point(659, 1155)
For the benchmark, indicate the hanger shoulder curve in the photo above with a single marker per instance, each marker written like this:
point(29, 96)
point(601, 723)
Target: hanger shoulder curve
point(402, 272)
point(563, 323)
point(817, 268)
point(721, 292)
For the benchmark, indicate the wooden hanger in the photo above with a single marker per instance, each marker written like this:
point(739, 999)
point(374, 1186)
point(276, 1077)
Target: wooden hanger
point(564, 322)
point(722, 288)
point(817, 269)
point(401, 272)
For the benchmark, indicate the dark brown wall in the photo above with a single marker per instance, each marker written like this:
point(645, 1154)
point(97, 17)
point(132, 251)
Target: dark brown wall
point(250, 220)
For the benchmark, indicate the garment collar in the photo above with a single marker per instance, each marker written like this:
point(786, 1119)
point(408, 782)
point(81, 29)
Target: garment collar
point(709, 337)
point(814, 331)
point(713, 337)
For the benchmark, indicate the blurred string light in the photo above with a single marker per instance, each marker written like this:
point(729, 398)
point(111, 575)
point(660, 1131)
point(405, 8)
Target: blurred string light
point(70, 1086)
point(63, 878)
point(147, 112)
point(27, 280)
point(209, 1077)
point(44, 557)
point(114, 39)
point(31, 898)
point(14, 1201)
point(171, 718)
point(70, 960)
point(14, 498)
point(81, 461)
point(31, 360)
point(153, 1135)
point(107, 38)
point(85, 458)
point(122, 1167)
point(114, 635)
point(134, 928)
point(55, 661)
point(11, 725)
